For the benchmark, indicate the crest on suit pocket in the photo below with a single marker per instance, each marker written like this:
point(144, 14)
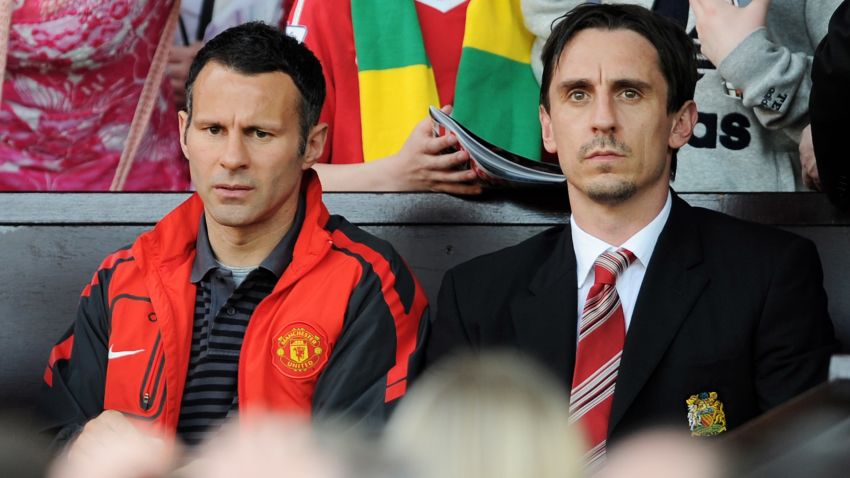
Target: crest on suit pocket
point(705, 415)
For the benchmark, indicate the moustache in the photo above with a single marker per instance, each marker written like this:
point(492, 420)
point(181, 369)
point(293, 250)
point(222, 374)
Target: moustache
point(604, 142)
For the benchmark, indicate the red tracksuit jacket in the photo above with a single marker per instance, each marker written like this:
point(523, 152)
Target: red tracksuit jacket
point(337, 335)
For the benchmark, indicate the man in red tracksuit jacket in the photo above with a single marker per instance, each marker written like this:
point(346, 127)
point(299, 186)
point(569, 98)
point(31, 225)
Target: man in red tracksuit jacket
point(248, 296)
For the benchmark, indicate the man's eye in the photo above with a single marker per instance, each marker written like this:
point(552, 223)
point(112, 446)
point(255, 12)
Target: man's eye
point(631, 94)
point(260, 134)
point(578, 95)
point(214, 130)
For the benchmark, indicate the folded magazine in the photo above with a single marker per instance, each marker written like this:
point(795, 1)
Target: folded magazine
point(495, 166)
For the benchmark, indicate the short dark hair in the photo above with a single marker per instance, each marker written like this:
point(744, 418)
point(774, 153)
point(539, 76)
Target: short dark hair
point(677, 55)
point(253, 48)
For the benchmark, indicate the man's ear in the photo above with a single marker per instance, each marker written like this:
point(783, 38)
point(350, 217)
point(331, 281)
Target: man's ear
point(315, 145)
point(183, 122)
point(546, 131)
point(684, 122)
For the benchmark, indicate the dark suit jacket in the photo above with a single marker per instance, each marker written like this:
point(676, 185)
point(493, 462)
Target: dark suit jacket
point(829, 107)
point(725, 306)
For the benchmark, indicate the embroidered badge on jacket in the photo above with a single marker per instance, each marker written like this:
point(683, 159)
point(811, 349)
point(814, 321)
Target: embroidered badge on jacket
point(705, 415)
point(300, 350)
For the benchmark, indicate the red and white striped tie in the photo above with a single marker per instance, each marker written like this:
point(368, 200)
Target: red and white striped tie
point(602, 332)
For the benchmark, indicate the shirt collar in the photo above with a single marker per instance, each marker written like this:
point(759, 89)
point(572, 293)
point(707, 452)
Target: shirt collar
point(204, 257)
point(276, 262)
point(587, 248)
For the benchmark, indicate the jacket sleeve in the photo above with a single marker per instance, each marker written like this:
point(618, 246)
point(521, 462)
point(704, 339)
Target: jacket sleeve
point(73, 388)
point(830, 106)
point(774, 78)
point(379, 347)
point(795, 337)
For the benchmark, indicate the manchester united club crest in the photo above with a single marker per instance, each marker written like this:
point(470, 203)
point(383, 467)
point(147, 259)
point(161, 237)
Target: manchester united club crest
point(299, 350)
point(705, 415)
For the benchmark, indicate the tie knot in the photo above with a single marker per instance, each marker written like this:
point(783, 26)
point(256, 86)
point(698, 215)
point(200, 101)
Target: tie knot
point(611, 264)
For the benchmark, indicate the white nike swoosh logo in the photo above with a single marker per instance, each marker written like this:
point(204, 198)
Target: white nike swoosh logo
point(123, 353)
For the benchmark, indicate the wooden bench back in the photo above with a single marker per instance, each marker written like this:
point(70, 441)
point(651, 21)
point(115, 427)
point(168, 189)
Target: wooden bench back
point(50, 244)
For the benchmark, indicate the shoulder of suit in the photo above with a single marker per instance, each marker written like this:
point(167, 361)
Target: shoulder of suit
point(514, 260)
point(723, 225)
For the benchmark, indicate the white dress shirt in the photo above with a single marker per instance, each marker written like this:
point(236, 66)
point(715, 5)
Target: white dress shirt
point(587, 248)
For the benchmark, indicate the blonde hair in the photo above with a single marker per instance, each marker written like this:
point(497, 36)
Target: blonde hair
point(494, 416)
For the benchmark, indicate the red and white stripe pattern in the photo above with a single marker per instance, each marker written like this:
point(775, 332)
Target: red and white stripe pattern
point(602, 332)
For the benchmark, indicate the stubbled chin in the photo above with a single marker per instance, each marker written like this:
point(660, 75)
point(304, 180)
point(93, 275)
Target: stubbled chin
point(611, 190)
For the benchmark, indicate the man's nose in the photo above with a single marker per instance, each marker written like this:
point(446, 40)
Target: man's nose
point(235, 154)
point(604, 118)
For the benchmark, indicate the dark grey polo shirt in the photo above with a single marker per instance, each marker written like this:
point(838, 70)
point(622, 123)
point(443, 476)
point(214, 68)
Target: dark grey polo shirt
point(222, 312)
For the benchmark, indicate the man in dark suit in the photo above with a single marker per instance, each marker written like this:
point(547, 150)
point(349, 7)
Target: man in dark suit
point(652, 311)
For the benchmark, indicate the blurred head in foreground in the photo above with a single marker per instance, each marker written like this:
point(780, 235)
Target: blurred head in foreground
point(278, 445)
point(663, 454)
point(494, 416)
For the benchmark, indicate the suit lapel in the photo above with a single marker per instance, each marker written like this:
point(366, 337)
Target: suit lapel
point(544, 317)
point(673, 282)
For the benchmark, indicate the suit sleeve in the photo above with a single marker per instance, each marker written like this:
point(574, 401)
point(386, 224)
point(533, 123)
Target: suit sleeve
point(379, 348)
point(829, 107)
point(795, 337)
point(74, 380)
point(448, 335)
